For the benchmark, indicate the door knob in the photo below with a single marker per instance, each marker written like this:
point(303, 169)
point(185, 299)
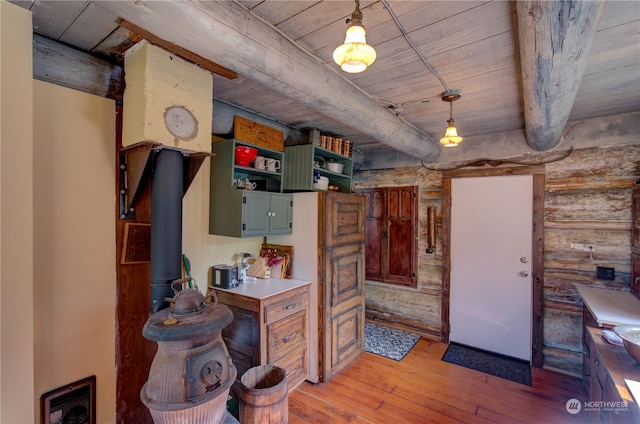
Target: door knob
point(523, 273)
point(524, 259)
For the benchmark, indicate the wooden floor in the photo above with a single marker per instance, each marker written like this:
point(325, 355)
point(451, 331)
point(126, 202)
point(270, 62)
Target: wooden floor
point(424, 389)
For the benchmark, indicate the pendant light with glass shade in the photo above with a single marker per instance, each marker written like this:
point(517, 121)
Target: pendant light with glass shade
point(355, 55)
point(451, 137)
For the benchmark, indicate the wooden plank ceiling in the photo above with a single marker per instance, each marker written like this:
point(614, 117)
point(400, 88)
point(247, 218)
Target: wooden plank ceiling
point(571, 61)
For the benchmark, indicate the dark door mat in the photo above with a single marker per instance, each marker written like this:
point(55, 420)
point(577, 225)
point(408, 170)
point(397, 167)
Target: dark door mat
point(388, 342)
point(495, 364)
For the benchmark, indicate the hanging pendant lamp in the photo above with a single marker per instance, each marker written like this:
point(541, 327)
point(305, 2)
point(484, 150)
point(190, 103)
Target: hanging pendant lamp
point(451, 137)
point(355, 55)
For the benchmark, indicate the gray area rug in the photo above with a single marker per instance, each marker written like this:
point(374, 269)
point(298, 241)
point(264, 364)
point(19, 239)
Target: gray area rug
point(489, 363)
point(388, 342)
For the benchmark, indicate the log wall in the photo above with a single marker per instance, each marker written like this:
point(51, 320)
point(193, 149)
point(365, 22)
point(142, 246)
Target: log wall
point(587, 200)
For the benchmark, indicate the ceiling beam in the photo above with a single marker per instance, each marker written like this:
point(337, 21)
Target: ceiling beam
point(59, 64)
point(183, 53)
point(229, 34)
point(555, 41)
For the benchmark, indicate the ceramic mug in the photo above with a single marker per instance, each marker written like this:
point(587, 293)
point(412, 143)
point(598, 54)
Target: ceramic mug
point(273, 164)
point(260, 162)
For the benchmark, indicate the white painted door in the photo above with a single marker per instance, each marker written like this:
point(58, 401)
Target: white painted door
point(491, 234)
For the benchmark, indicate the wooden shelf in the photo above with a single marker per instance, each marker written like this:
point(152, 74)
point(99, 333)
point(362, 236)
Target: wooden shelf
point(300, 167)
point(237, 212)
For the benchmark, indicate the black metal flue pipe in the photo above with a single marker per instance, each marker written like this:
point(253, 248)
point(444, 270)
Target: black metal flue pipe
point(166, 225)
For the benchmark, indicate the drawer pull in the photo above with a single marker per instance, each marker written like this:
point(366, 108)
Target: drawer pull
point(289, 337)
point(595, 361)
point(289, 306)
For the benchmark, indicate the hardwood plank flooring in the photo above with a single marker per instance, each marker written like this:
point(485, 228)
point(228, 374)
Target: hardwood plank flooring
point(424, 389)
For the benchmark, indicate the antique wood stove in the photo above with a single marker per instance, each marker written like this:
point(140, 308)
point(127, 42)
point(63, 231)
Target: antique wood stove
point(192, 371)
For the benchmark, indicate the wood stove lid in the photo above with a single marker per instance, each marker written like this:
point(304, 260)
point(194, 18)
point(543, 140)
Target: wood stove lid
point(187, 317)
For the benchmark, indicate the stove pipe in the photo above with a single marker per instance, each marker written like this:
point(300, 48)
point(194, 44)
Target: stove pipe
point(167, 190)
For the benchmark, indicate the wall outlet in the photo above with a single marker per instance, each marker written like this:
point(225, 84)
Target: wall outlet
point(604, 273)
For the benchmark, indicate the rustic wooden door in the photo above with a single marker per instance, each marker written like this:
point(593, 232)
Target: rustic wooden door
point(391, 227)
point(491, 250)
point(342, 282)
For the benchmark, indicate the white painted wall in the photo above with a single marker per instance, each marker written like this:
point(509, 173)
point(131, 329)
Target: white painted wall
point(203, 249)
point(74, 242)
point(16, 217)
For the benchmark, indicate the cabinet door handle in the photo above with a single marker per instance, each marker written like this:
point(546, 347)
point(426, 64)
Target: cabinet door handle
point(595, 361)
point(637, 280)
point(289, 337)
point(638, 223)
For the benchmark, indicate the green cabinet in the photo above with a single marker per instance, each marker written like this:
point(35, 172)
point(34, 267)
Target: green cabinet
point(236, 212)
point(305, 161)
point(266, 213)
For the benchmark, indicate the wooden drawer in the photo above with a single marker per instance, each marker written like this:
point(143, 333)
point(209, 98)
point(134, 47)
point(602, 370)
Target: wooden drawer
point(284, 335)
point(614, 416)
point(586, 370)
point(598, 371)
point(295, 364)
point(285, 305)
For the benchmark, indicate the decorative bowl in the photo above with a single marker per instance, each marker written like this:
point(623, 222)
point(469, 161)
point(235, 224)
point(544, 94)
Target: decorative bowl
point(244, 155)
point(630, 335)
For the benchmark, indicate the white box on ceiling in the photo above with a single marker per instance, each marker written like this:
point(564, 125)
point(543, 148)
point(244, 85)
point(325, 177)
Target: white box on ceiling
point(167, 100)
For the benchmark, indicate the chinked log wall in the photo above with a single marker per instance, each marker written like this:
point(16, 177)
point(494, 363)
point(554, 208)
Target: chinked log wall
point(587, 200)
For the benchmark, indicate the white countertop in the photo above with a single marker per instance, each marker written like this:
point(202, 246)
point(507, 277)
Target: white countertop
point(610, 307)
point(261, 288)
point(634, 388)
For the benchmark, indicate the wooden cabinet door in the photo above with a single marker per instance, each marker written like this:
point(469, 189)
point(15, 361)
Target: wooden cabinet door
point(255, 210)
point(343, 218)
point(281, 214)
point(635, 244)
point(401, 215)
point(376, 236)
point(635, 275)
point(635, 224)
point(391, 227)
point(266, 213)
point(242, 339)
point(343, 293)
